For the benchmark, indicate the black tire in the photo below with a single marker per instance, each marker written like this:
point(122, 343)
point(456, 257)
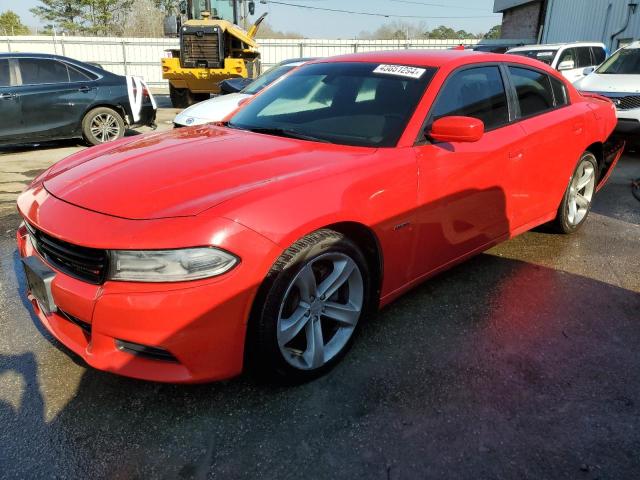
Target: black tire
point(181, 97)
point(562, 223)
point(99, 116)
point(264, 354)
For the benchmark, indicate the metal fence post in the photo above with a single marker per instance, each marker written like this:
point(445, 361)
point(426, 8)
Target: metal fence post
point(62, 45)
point(124, 58)
point(301, 45)
point(8, 44)
point(355, 47)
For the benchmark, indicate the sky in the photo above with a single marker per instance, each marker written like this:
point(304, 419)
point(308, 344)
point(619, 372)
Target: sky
point(321, 24)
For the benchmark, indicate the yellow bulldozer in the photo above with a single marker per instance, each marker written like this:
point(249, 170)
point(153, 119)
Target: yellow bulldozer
point(213, 47)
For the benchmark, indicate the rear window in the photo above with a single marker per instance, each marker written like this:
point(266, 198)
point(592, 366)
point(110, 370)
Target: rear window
point(36, 71)
point(535, 94)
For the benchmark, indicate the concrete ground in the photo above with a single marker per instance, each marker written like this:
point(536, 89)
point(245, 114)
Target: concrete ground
point(521, 363)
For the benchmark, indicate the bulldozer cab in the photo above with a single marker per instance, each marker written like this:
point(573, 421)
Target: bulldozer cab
point(214, 9)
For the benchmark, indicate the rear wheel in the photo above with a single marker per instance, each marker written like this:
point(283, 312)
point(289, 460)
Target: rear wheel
point(102, 125)
point(576, 203)
point(309, 307)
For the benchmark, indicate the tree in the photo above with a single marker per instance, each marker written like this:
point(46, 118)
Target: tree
point(267, 31)
point(396, 30)
point(105, 17)
point(494, 32)
point(10, 24)
point(147, 21)
point(64, 15)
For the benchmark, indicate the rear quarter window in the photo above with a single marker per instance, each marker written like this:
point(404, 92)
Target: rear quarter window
point(559, 92)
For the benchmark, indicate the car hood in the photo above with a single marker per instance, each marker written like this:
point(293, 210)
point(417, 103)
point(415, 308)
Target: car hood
point(613, 83)
point(212, 110)
point(186, 171)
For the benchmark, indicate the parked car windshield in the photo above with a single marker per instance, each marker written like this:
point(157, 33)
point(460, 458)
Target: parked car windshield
point(545, 56)
point(266, 78)
point(349, 103)
point(623, 62)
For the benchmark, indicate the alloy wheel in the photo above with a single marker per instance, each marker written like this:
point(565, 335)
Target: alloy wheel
point(104, 127)
point(580, 193)
point(320, 310)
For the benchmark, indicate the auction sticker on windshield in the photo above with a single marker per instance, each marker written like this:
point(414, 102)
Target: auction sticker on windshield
point(400, 70)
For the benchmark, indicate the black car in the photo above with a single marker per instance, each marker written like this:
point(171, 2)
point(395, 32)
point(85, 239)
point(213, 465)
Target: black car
point(49, 97)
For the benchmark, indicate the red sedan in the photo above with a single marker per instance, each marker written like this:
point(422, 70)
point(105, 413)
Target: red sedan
point(182, 256)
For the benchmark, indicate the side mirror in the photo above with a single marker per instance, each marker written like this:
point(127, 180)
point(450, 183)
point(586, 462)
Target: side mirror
point(243, 101)
point(588, 70)
point(457, 129)
point(567, 65)
point(252, 8)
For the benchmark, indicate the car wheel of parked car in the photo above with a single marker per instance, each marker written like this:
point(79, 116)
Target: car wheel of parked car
point(310, 306)
point(102, 125)
point(576, 202)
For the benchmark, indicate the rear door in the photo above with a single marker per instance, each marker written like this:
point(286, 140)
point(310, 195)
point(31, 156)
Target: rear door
point(10, 117)
point(54, 98)
point(464, 189)
point(554, 139)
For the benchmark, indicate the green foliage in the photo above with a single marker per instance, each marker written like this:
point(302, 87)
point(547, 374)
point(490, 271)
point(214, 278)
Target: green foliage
point(494, 32)
point(98, 17)
point(10, 24)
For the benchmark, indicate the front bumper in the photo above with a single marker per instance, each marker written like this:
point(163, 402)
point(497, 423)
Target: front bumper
point(200, 324)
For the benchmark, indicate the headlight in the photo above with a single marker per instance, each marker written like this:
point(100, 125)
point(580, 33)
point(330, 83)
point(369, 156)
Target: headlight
point(169, 265)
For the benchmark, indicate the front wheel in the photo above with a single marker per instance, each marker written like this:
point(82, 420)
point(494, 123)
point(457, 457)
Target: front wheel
point(576, 203)
point(309, 307)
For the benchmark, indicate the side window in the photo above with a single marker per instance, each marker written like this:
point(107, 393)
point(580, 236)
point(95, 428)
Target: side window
point(559, 92)
point(599, 55)
point(474, 92)
point(584, 57)
point(77, 75)
point(37, 71)
point(5, 74)
point(567, 55)
point(535, 94)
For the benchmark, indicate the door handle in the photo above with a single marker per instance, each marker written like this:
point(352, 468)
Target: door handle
point(84, 89)
point(7, 96)
point(577, 128)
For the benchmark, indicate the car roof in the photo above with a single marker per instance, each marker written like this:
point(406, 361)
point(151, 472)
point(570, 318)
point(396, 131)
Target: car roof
point(547, 46)
point(49, 56)
point(430, 58)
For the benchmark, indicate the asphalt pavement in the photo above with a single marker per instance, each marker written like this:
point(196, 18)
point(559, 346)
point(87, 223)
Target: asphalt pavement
point(521, 363)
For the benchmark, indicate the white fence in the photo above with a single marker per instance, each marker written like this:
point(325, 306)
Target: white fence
point(141, 56)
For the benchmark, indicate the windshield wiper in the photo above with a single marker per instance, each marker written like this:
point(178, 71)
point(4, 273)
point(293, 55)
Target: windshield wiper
point(285, 132)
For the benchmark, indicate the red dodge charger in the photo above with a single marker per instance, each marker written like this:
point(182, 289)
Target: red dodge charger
point(268, 239)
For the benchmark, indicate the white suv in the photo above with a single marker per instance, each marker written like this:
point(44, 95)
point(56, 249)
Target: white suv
point(619, 79)
point(571, 59)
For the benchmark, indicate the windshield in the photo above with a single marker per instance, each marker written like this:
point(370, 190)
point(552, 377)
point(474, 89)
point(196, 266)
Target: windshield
point(545, 56)
point(624, 62)
point(266, 78)
point(217, 8)
point(349, 103)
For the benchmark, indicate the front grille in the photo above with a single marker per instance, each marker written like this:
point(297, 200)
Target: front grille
point(628, 102)
point(87, 264)
point(200, 47)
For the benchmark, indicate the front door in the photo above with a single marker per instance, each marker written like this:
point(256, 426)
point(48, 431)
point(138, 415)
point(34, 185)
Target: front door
point(464, 190)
